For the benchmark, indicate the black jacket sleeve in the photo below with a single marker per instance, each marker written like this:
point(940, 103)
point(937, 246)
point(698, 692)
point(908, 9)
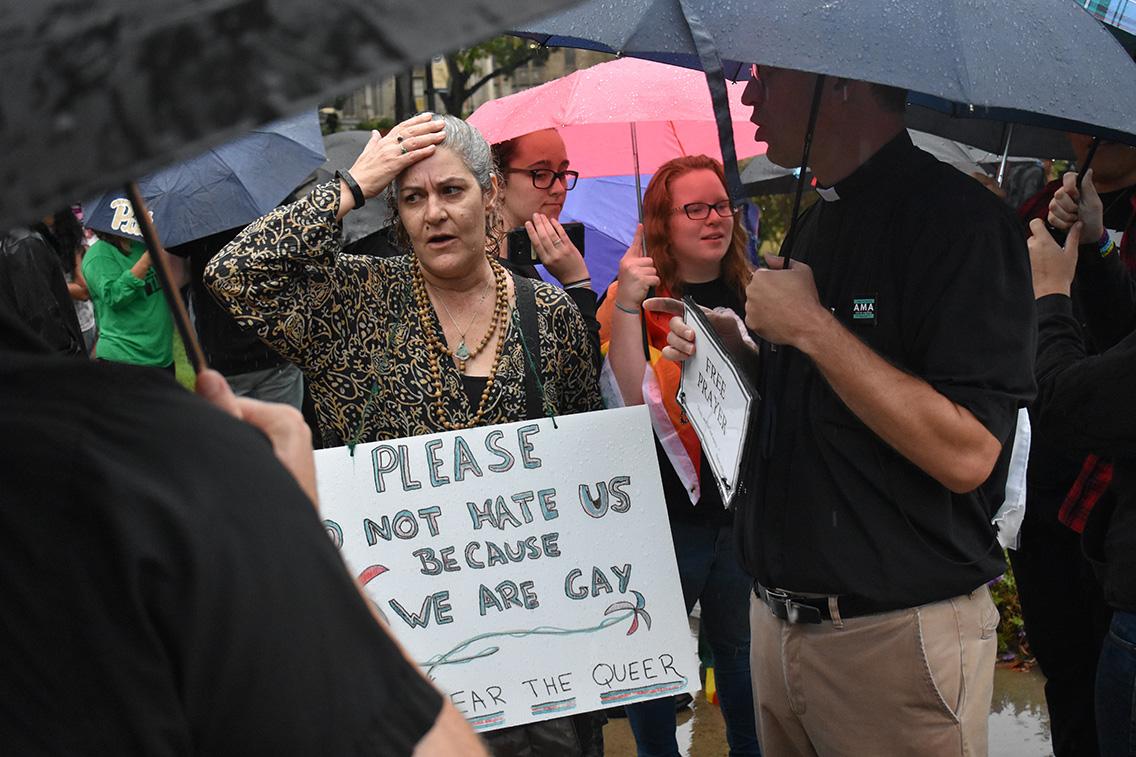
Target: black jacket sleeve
point(1106, 295)
point(34, 289)
point(1086, 401)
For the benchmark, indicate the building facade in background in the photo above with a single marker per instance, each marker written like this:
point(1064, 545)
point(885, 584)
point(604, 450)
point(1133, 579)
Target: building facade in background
point(378, 101)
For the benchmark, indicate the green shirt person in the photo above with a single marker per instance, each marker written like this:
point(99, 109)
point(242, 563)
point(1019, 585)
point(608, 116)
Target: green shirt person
point(135, 325)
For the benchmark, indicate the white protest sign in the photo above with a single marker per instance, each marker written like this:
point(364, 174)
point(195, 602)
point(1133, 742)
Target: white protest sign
point(527, 567)
point(718, 402)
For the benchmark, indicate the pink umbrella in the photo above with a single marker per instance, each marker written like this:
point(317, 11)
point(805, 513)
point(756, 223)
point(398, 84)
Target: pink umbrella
point(599, 111)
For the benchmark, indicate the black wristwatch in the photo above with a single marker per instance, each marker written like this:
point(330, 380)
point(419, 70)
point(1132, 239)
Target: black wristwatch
point(356, 190)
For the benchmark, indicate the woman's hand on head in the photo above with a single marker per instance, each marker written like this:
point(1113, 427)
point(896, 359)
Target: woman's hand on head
point(384, 158)
point(555, 250)
point(637, 274)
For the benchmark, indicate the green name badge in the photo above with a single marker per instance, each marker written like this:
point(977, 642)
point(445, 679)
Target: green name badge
point(864, 310)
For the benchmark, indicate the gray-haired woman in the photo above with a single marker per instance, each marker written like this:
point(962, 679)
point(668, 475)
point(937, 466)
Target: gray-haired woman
point(426, 342)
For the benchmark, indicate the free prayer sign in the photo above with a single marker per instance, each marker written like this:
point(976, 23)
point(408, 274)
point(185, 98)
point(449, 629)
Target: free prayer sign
point(718, 402)
point(527, 567)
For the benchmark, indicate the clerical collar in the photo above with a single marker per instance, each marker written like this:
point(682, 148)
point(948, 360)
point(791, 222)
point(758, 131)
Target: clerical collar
point(871, 171)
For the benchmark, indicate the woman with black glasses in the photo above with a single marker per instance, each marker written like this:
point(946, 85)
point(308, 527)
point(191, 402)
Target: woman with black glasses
point(695, 246)
point(535, 180)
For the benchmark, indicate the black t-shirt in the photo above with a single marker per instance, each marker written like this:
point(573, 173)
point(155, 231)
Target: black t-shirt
point(474, 387)
point(709, 508)
point(929, 270)
point(168, 589)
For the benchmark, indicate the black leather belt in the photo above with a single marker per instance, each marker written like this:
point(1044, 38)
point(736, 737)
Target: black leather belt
point(803, 608)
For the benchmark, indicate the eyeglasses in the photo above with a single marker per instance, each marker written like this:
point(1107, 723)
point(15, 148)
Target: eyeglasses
point(756, 79)
point(700, 211)
point(542, 178)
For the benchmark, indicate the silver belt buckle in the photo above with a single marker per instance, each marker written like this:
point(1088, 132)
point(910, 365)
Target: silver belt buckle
point(779, 597)
point(792, 609)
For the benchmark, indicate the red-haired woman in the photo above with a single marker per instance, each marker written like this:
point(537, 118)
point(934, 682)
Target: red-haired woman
point(696, 247)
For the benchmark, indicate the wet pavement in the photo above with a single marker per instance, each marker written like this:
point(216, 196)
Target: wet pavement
point(1019, 724)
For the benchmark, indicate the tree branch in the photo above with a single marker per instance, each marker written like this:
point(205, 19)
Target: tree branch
point(504, 70)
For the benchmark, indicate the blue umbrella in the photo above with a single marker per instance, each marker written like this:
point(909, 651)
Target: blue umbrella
point(228, 186)
point(607, 207)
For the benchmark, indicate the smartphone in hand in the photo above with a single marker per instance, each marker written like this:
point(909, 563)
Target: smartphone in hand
point(520, 246)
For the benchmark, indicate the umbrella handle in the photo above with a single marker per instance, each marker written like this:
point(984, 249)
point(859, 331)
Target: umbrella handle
point(1088, 161)
point(814, 111)
point(638, 180)
point(711, 64)
point(1007, 134)
point(1060, 234)
point(173, 296)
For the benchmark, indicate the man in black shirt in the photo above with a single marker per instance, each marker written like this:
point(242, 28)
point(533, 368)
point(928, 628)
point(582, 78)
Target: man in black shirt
point(167, 586)
point(907, 331)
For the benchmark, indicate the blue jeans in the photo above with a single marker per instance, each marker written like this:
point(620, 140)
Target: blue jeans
point(710, 573)
point(1116, 688)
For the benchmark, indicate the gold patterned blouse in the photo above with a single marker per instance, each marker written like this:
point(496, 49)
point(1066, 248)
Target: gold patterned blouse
point(352, 325)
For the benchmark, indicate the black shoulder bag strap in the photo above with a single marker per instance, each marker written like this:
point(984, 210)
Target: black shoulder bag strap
point(530, 333)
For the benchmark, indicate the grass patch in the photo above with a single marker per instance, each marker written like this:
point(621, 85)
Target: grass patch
point(185, 375)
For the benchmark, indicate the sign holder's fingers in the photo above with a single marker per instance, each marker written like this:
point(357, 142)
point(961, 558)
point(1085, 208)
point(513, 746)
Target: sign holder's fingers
point(667, 305)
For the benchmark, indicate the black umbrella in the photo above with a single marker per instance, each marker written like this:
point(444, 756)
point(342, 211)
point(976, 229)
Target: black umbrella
point(992, 135)
point(97, 92)
point(761, 176)
point(990, 59)
point(993, 132)
point(342, 148)
point(994, 60)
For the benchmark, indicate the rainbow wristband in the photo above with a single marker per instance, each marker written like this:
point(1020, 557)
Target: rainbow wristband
point(1106, 246)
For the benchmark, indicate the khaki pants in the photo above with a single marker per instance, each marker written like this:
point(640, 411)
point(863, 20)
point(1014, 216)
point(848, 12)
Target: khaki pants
point(910, 682)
